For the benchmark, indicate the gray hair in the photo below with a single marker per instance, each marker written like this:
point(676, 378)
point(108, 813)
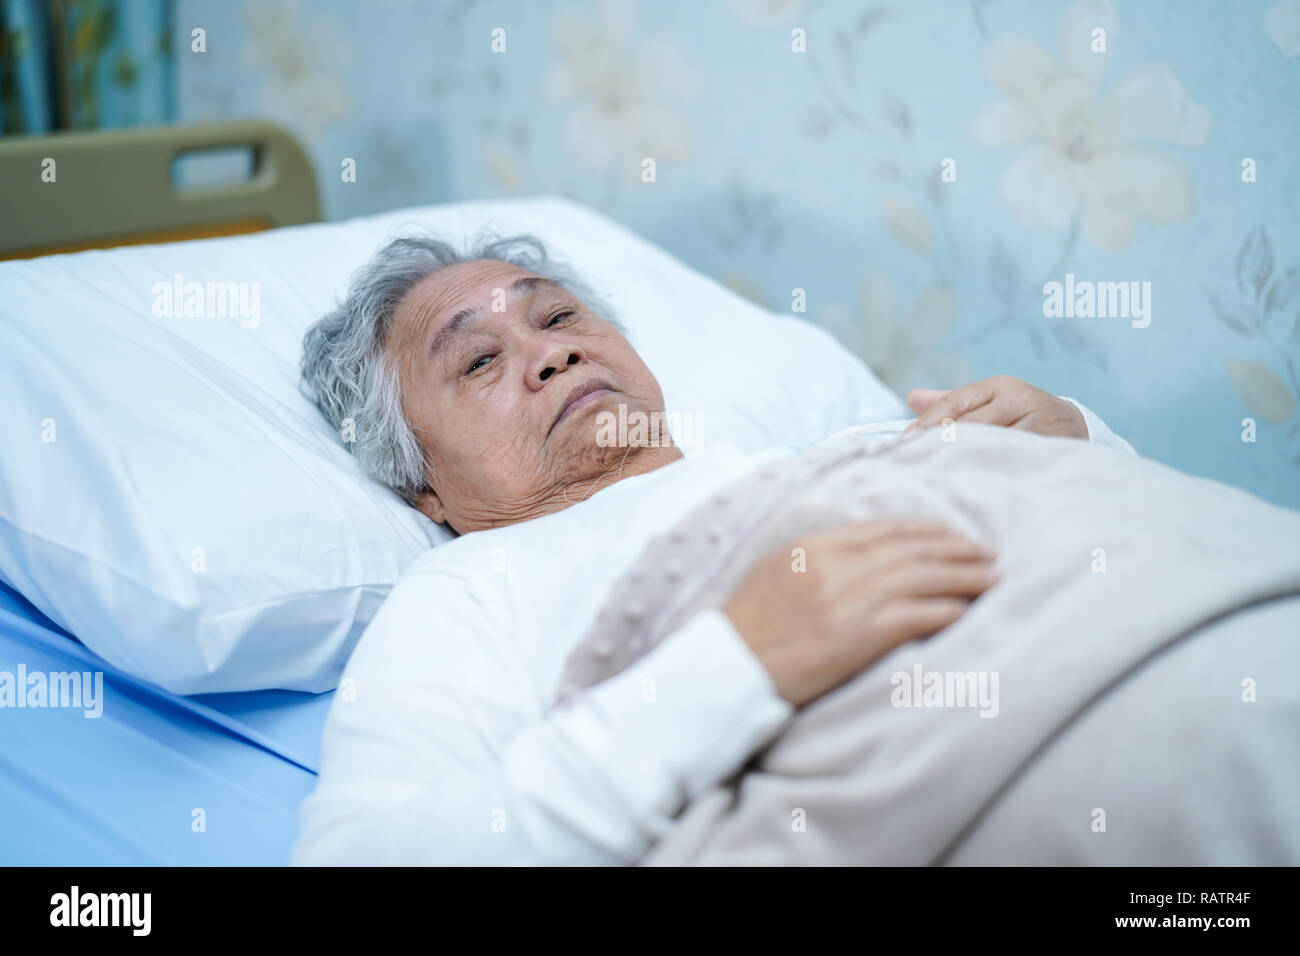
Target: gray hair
point(353, 381)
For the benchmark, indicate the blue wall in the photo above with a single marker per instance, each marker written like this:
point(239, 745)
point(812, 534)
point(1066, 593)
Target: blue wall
point(818, 170)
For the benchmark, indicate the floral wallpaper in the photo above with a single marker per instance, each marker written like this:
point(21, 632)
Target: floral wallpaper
point(915, 174)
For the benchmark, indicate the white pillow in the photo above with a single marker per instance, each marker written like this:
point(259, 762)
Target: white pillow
point(168, 495)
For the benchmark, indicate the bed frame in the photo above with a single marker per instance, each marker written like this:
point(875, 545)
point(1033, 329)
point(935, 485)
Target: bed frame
point(118, 187)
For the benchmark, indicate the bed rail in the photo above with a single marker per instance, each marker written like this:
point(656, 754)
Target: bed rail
point(72, 191)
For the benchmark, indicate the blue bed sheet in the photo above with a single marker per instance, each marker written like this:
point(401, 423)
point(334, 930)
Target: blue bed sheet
point(123, 788)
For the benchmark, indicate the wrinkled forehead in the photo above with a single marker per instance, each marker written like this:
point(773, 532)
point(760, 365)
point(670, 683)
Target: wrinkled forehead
point(437, 297)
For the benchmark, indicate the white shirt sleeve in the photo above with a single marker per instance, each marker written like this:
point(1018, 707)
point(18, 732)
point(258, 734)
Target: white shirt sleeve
point(1098, 432)
point(447, 754)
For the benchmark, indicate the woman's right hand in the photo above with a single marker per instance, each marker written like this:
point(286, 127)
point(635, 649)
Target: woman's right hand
point(866, 588)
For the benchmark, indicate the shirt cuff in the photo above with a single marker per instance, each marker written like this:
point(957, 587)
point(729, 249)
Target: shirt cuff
point(1098, 432)
point(681, 719)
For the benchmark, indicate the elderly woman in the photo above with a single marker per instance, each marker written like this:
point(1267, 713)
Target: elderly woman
point(475, 383)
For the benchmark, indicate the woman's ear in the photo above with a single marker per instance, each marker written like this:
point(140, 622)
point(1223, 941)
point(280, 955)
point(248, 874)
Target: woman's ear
point(429, 503)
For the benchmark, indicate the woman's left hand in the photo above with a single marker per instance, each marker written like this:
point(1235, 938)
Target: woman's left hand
point(1000, 400)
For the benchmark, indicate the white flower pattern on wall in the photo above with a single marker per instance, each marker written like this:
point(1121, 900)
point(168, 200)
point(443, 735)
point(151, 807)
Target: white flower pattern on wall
point(913, 210)
point(1085, 159)
point(840, 170)
point(1282, 24)
point(902, 353)
point(622, 94)
point(1264, 309)
point(765, 13)
point(302, 66)
point(747, 224)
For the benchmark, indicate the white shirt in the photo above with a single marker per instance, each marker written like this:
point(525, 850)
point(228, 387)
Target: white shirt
point(439, 747)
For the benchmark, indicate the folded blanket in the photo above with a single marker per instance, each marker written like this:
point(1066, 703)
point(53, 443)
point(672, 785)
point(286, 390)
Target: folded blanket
point(1107, 560)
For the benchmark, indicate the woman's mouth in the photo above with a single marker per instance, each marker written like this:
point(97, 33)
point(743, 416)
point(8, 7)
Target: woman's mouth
point(581, 397)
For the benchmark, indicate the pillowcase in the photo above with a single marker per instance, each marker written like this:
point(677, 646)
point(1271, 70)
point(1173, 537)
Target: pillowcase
point(170, 496)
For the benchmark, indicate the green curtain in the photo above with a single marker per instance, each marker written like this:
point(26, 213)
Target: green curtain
point(85, 64)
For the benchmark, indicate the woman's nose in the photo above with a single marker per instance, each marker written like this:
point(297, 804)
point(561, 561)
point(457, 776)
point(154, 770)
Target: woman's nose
point(556, 358)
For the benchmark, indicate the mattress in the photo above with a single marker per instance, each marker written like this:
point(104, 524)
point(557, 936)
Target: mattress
point(156, 778)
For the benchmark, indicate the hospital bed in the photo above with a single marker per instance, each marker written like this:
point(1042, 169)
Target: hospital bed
point(189, 525)
point(177, 516)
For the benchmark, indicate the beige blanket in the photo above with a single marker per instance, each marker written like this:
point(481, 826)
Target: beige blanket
point(1108, 562)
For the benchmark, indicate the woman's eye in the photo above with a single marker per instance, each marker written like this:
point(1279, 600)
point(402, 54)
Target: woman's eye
point(555, 318)
point(478, 363)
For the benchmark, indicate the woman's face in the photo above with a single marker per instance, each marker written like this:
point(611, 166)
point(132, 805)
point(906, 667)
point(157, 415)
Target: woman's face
point(488, 356)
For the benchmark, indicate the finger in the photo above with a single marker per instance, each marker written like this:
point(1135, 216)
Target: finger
point(938, 578)
point(858, 534)
point(903, 548)
point(875, 547)
point(955, 404)
point(909, 619)
point(1027, 422)
point(883, 565)
point(919, 399)
point(914, 542)
point(999, 411)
